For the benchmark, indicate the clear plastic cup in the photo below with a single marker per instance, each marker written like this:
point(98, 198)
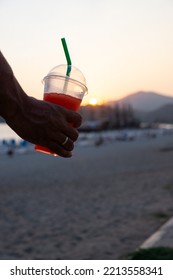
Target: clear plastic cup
point(64, 90)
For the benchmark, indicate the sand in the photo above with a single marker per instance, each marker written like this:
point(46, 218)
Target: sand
point(100, 204)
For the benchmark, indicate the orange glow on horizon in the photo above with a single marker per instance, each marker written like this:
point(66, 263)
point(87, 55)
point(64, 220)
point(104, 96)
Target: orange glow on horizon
point(93, 101)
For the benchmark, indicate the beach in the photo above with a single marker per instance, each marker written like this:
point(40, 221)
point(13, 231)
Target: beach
point(102, 203)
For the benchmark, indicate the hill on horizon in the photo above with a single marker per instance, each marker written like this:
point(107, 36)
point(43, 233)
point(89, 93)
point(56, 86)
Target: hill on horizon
point(162, 115)
point(144, 101)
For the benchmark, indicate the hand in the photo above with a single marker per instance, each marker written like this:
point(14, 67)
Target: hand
point(36, 121)
point(47, 125)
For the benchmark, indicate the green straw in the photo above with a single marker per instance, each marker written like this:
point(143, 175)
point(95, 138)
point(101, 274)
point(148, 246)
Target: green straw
point(67, 55)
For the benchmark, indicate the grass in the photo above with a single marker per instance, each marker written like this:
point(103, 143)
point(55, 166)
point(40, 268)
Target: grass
point(167, 149)
point(157, 253)
point(168, 186)
point(161, 215)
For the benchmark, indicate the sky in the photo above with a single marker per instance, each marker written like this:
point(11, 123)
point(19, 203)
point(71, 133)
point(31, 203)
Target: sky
point(121, 46)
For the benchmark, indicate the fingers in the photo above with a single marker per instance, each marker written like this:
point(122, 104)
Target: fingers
point(66, 125)
point(60, 144)
point(68, 144)
point(59, 135)
point(59, 150)
point(66, 121)
point(74, 118)
point(59, 124)
point(64, 150)
point(60, 139)
point(71, 132)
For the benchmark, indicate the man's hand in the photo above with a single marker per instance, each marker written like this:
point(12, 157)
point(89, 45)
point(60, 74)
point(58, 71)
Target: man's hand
point(36, 121)
point(47, 125)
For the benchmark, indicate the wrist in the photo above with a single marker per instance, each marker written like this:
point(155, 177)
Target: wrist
point(12, 96)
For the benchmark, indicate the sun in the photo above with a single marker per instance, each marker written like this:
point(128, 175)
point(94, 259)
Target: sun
point(93, 101)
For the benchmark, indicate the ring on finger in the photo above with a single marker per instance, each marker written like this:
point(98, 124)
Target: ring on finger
point(65, 141)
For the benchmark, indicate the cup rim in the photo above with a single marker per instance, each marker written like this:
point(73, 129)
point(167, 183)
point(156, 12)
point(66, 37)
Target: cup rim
point(55, 76)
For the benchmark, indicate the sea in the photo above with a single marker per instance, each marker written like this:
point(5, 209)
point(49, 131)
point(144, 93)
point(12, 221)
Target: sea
point(10, 142)
point(6, 133)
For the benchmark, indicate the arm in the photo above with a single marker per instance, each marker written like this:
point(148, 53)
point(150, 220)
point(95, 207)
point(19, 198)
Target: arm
point(36, 121)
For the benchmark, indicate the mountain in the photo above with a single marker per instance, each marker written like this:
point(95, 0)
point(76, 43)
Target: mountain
point(162, 115)
point(144, 101)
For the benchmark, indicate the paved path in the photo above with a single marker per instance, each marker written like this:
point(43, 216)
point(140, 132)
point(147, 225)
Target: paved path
point(162, 237)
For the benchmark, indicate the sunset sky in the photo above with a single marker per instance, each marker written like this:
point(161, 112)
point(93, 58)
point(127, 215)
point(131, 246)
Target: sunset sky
point(121, 46)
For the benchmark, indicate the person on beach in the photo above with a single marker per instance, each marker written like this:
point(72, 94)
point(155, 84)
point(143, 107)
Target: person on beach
point(36, 121)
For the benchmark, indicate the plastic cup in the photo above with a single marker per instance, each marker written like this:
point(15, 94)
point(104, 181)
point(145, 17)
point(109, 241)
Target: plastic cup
point(66, 91)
